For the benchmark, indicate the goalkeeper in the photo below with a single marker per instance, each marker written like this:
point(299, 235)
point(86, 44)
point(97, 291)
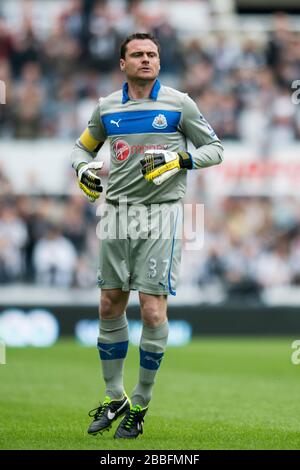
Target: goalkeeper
point(147, 126)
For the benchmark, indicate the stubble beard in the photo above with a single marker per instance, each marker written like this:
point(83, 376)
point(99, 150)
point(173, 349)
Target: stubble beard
point(142, 81)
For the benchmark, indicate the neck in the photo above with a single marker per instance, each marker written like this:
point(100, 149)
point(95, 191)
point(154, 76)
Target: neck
point(138, 90)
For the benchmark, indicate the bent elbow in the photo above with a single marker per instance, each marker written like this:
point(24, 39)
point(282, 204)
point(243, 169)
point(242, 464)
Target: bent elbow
point(220, 153)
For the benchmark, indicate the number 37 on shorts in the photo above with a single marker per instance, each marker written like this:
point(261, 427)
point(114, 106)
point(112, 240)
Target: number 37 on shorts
point(149, 265)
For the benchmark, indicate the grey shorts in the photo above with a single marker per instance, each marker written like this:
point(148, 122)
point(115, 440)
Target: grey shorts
point(140, 247)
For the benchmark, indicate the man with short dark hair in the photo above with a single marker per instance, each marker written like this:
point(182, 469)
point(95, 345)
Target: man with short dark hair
point(147, 125)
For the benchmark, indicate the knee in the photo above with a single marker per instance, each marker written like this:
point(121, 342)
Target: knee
point(110, 307)
point(152, 315)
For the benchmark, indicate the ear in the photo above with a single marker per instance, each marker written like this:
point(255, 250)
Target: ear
point(122, 64)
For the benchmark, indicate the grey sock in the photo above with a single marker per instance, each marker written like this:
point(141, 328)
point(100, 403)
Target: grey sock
point(152, 346)
point(113, 346)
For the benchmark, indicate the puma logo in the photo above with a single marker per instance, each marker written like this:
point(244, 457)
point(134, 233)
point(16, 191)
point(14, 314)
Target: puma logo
point(157, 361)
point(107, 351)
point(115, 122)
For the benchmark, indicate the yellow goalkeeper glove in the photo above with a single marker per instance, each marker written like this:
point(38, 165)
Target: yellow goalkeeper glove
point(88, 181)
point(160, 165)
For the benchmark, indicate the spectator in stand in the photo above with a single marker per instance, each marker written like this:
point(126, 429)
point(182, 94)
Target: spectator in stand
point(26, 48)
point(6, 41)
point(54, 259)
point(103, 40)
point(13, 237)
point(27, 118)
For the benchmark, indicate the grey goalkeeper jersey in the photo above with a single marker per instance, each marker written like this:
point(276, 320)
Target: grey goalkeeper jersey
point(163, 121)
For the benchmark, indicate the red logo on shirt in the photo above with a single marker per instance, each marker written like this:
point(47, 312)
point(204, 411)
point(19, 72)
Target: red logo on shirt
point(121, 149)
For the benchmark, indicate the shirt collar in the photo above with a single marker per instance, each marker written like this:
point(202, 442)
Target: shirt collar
point(153, 94)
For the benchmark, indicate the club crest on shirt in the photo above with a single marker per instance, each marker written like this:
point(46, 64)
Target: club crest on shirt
point(160, 122)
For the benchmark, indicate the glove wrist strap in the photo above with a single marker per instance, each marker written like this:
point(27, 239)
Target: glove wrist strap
point(185, 160)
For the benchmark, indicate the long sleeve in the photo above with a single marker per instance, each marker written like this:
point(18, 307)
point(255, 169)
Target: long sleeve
point(209, 150)
point(90, 141)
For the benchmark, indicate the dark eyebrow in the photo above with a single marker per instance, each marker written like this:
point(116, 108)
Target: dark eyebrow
point(141, 52)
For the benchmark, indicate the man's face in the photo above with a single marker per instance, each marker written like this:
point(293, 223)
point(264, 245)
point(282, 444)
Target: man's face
point(141, 60)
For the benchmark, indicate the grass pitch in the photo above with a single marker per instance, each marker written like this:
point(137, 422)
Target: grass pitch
point(211, 394)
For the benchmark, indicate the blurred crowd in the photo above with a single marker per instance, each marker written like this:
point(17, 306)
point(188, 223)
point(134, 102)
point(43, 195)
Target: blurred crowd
point(243, 86)
point(249, 243)
point(54, 76)
point(46, 240)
